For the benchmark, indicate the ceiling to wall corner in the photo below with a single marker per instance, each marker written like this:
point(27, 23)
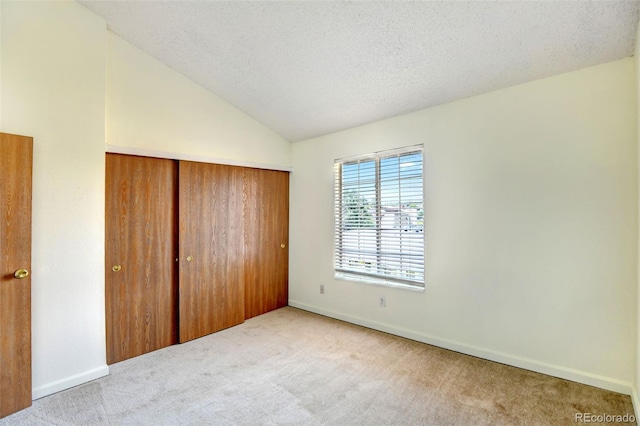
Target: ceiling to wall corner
point(309, 68)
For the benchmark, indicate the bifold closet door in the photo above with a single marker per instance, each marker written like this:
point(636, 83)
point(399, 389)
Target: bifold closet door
point(266, 241)
point(140, 253)
point(211, 248)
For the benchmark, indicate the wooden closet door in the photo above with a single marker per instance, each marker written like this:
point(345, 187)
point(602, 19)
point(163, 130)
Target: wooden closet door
point(211, 248)
point(16, 154)
point(266, 241)
point(141, 248)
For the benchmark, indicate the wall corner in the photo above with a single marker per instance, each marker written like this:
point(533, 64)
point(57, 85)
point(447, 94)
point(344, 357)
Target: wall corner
point(636, 378)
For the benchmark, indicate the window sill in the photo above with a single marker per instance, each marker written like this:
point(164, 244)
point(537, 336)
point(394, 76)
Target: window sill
point(379, 282)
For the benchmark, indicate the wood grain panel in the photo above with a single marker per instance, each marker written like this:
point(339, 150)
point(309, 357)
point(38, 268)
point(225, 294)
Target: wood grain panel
point(211, 232)
point(141, 237)
point(16, 153)
point(266, 230)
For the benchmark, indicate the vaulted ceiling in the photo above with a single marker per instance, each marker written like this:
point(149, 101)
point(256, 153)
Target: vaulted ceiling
point(309, 68)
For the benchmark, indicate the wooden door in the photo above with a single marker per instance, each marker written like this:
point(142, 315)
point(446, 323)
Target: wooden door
point(211, 248)
point(266, 241)
point(140, 254)
point(16, 153)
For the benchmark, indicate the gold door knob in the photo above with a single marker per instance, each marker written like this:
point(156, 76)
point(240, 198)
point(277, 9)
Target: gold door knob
point(282, 245)
point(189, 258)
point(21, 273)
point(116, 268)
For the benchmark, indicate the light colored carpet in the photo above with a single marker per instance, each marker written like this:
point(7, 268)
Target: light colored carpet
point(294, 367)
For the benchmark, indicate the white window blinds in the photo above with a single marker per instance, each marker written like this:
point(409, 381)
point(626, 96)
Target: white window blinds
point(379, 217)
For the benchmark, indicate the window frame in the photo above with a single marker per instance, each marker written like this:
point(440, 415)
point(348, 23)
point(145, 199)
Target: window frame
point(343, 273)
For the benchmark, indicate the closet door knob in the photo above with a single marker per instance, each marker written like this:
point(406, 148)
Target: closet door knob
point(116, 268)
point(282, 245)
point(189, 258)
point(21, 273)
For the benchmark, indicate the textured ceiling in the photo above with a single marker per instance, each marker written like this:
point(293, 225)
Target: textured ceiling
point(307, 68)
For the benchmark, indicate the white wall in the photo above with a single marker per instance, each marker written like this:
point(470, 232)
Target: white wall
point(531, 226)
point(53, 76)
point(152, 107)
point(636, 401)
point(0, 64)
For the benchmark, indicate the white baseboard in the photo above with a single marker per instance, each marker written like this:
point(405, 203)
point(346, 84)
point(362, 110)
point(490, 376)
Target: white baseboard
point(635, 402)
point(69, 382)
point(503, 358)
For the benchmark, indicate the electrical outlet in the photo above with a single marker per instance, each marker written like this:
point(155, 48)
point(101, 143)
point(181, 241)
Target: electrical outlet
point(321, 288)
point(382, 301)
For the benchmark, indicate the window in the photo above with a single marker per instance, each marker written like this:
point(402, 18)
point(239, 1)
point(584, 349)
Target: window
point(379, 217)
